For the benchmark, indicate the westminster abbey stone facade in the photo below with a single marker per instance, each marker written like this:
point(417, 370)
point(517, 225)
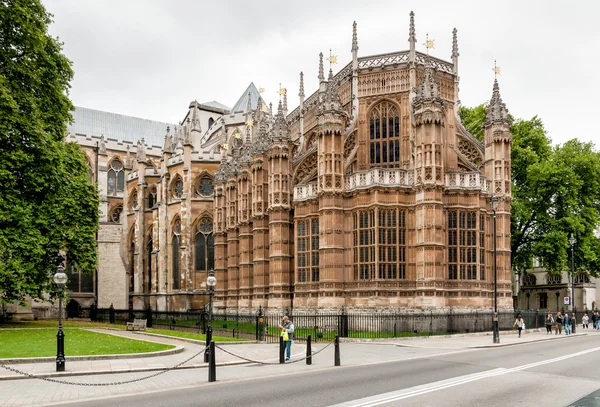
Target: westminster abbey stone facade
point(370, 195)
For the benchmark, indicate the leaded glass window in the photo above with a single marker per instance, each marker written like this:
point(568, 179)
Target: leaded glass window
point(115, 215)
point(116, 177)
point(364, 245)
point(384, 135)
point(205, 187)
point(178, 188)
point(204, 246)
point(462, 246)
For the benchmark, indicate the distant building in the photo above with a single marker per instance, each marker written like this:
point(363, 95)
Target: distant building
point(370, 194)
point(538, 289)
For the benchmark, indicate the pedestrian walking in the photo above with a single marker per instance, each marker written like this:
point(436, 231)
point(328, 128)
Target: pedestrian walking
point(549, 323)
point(558, 325)
point(287, 331)
point(519, 323)
point(567, 324)
point(584, 321)
point(595, 320)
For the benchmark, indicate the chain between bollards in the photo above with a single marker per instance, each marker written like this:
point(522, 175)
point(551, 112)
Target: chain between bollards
point(336, 352)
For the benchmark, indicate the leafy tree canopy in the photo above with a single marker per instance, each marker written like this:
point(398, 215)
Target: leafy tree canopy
point(47, 203)
point(556, 193)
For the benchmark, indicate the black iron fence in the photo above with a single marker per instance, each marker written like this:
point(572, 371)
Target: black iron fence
point(323, 326)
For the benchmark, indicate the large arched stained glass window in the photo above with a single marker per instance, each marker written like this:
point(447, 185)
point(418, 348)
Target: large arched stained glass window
point(384, 135)
point(204, 244)
point(116, 177)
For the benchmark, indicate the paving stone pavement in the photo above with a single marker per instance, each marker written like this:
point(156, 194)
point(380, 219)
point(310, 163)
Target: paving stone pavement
point(38, 392)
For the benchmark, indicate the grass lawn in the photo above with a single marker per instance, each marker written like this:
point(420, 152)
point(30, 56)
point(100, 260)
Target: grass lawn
point(25, 343)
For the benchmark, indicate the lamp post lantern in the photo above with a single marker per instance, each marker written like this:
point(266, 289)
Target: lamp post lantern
point(211, 282)
point(60, 278)
point(495, 328)
point(572, 302)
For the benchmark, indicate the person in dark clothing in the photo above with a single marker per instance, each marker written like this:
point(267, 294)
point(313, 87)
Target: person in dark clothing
point(549, 323)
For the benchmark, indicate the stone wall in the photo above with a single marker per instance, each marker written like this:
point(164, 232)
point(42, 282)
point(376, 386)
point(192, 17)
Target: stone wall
point(112, 275)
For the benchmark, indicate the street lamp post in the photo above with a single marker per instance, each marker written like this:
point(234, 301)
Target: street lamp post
point(572, 302)
point(496, 329)
point(211, 282)
point(60, 278)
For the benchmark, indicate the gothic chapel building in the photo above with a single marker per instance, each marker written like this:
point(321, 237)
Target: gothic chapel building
point(371, 194)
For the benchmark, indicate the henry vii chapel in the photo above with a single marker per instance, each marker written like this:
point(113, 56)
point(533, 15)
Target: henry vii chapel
point(371, 195)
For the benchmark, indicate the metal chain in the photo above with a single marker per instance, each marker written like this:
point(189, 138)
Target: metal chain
point(48, 379)
point(274, 363)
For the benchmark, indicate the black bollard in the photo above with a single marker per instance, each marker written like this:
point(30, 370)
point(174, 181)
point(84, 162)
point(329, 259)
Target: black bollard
point(308, 351)
point(208, 341)
point(212, 364)
point(336, 353)
point(281, 350)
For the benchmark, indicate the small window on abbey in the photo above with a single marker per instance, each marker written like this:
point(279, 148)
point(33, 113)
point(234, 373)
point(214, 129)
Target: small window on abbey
point(116, 177)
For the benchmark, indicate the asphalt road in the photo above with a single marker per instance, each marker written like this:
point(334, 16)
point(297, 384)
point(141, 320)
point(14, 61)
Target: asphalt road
point(553, 373)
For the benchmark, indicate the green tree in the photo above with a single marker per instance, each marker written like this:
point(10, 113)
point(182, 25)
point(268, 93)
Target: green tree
point(556, 193)
point(473, 118)
point(47, 203)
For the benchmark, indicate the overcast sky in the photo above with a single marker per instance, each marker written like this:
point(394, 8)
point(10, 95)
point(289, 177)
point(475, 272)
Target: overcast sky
point(150, 58)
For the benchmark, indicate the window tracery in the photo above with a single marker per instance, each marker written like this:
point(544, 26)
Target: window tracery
point(462, 246)
point(115, 214)
point(204, 245)
point(307, 245)
point(152, 197)
point(116, 177)
point(177, 188)
point(205, 186)
point(384, 135)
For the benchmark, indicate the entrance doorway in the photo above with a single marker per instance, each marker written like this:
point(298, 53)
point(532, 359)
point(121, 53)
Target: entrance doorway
point(543, 301)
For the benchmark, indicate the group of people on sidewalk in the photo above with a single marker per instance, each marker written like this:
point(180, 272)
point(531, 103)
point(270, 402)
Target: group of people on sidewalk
point(562, 321)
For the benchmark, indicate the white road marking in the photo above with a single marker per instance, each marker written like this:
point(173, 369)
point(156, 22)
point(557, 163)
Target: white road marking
point(444, 384)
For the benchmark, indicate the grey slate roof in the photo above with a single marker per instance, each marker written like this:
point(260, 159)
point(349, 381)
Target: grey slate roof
point(116, 126)
point(242, 104)
point(216, 105)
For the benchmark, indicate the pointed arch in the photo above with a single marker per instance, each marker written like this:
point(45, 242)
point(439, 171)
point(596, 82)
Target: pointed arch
point(176, 187)
point(204, 185)
point(149, 252)
point(115, 176)
point(204, 244)
point(176, 261)
point(151, 197)
point(384, 134)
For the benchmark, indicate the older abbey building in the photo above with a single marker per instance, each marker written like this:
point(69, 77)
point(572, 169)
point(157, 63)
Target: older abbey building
point(371, 194)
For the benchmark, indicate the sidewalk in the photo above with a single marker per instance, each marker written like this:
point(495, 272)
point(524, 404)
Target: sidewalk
point(366, 352)
point(475, 341)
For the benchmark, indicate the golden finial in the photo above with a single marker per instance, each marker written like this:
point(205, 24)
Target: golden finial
point(250, 123)
point(281, 92)
point(332, 58)
point(496, 70)
point(429, 43)
point(237, 135)
point(225, 147)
